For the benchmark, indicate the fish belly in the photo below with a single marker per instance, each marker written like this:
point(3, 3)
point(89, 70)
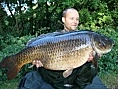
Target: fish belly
point(63, 59)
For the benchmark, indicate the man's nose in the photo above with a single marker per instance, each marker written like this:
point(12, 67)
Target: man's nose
point(75, 21)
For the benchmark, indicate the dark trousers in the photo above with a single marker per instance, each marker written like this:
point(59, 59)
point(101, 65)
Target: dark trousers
point(33, 80)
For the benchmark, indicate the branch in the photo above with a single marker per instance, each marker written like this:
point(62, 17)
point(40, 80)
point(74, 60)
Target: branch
point(11, 12)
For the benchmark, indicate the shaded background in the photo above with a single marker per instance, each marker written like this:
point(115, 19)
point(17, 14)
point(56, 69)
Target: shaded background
point(21, 20)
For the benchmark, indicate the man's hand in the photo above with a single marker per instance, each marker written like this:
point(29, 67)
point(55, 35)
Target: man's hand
point(90, 57)
point(37, 63)
point(93, 57)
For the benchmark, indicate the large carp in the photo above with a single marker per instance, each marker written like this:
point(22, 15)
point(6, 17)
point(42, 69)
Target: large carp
point(59, 51)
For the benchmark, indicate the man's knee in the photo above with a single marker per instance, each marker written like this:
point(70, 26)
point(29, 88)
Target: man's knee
point(33, 80)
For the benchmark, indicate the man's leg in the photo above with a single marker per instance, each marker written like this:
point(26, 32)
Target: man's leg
point(33, 80)
point(96, 84)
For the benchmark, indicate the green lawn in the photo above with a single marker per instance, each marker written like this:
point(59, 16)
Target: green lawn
point(110, 80)
point(9, 84)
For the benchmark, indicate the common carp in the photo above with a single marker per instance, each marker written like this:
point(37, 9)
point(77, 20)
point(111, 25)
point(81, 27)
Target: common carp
point(59, 51)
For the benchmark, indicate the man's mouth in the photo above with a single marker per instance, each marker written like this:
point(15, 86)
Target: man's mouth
point(74, 25)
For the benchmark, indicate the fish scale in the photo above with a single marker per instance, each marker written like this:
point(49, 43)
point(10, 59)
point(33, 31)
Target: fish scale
point(64, 48)
point(58, 51)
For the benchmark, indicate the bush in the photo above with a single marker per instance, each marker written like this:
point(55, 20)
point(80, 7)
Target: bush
point(11, 45)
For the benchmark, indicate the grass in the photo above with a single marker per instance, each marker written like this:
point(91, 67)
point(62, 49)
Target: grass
point(109, 79)
point(9, 84)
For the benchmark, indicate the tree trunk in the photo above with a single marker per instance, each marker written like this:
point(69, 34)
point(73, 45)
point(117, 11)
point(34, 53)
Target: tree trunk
point(31, 20)
point(14, 19)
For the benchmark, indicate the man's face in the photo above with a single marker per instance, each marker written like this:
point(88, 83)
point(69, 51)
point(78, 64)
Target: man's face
point(71, 20)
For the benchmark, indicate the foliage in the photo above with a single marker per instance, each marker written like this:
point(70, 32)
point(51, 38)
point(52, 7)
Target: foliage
point(11, 45)
point(110, 80)
point(32, 19)
point(13, 84)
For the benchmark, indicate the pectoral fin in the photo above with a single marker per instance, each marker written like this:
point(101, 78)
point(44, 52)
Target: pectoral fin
point(30, 66)
point(67, 72)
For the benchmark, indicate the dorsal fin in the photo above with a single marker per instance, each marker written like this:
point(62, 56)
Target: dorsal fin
point(42, 36)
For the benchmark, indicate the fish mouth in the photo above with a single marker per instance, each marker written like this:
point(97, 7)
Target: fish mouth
point(102, 44)
point(93, 57)
point(94, 53)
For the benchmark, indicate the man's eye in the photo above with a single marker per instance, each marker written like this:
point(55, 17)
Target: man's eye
point(77, 19)
point(71, 18)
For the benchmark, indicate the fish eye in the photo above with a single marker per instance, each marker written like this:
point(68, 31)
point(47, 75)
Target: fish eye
point(100, 45)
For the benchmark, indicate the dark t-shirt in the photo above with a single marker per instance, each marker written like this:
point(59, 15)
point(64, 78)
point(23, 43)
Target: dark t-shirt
point(79, 79)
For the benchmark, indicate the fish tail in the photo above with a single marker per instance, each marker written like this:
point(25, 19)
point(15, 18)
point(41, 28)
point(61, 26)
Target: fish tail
point(12, 73)
point(6, 62)
point(11, 65)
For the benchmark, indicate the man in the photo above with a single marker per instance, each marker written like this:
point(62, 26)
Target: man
point(80, 77)
point(70, 19)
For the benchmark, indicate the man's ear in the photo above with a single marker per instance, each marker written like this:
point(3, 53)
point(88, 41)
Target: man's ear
point(63, 19)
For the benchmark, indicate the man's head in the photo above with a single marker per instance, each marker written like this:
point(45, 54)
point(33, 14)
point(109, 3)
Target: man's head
point(70, 19)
